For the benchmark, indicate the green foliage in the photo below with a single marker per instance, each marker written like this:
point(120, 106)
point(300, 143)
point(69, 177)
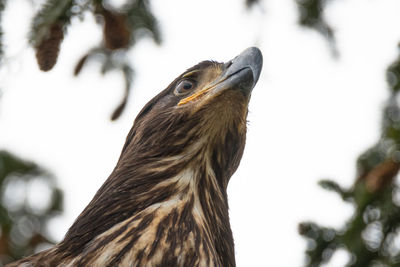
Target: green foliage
point(391, 115)
point(322, 244)
point(23, 220)
point(370, 234)
point(311, 15)
point(392, 76)
point(53, 12)
point(122, 29)
point(2, 4)
point(140, 18)
point(250, 3)
point(335, 187)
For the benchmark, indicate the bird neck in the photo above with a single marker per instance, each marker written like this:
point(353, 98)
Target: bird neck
point(177, 201)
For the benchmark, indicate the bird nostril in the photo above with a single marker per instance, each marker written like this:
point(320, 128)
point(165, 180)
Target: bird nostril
point(228, 64)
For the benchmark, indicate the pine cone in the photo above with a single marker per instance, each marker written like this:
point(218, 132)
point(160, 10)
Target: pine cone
point(48, 49)
point(116, 31)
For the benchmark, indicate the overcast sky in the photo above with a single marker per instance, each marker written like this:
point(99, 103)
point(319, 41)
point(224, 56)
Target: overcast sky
point(310, 115)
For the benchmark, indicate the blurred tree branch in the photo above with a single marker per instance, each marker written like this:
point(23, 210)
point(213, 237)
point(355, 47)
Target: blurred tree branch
point(311, 15)
point(2, 5)
point(122, 29)
point(23, 225)
point(370, 234)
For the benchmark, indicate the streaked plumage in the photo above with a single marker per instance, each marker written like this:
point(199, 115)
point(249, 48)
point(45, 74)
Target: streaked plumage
point(165, 203)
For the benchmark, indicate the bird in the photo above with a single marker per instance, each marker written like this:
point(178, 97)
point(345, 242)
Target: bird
point(165, 202)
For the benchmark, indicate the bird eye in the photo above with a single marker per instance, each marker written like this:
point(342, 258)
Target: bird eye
point(184, 87)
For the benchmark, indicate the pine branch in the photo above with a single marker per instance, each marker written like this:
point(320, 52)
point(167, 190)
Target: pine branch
point(122, 28)
point(2, 5)
point(335, 187)
point(128, 76)
point(311, 15)
point(250, 3)
point(49, 27)
point(140, 18)
point(24, 227)
point(370, 234)
point(322, 243)
point(110, 61)
point(53, 12)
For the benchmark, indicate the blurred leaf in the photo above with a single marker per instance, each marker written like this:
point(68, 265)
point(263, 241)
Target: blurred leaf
point(393, 75)
point(2, 5)
point(322, 242)
point(371, 235)
point(140, 17)
point(23, 229)
point(122, 28)
point(311, 15)
point(250, 3)
point(335, 187)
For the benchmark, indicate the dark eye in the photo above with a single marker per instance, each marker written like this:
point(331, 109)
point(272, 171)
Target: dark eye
point(184, 87)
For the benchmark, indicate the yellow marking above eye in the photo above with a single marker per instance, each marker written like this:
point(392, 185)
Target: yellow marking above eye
point(190, 73)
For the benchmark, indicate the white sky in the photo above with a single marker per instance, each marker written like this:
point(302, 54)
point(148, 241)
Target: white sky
point(310, 116)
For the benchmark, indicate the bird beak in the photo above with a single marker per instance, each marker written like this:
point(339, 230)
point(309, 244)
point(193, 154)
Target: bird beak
point(244, 70)
point(240, 73)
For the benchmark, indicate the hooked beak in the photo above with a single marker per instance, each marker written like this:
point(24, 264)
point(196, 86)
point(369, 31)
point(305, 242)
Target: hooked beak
point(244, 70)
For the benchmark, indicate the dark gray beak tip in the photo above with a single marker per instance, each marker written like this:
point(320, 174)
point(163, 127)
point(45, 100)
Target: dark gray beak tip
point(250, 58)
point(256, 57)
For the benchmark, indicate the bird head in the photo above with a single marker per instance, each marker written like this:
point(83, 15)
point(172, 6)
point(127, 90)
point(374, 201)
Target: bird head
point(203, 110)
